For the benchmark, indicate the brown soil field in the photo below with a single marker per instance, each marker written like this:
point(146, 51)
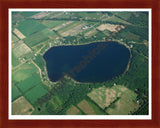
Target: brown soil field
point(61, 26)
point(40, 15)
point(73, 111)
point(86, 108)
point(21, 107)
point(18, 33)
point(73, 31)
point(21, 49)
point(110, 27)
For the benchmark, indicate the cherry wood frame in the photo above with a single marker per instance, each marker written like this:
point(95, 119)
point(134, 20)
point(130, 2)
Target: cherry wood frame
point(6, 4)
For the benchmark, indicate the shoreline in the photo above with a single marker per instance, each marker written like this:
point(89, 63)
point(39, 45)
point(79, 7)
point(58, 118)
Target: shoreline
point(67, 76)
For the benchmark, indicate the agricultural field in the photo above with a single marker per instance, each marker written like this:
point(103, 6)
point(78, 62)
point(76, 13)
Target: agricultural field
point(15, 93)
point(89, 15)
point(19, 34)
point(123, 15)
point(21, 49)
point(40, 15)
point(28, 14)
point(21, 107)
point(73, 111)
point(74, 31)
point(14, 38)
point(29, 82)
point(115, 19)
point(35, 93)
point(23, 71)
point(112, 99)
point(69, 26)
point(35, 39)
point(15, 60)
point(52, 23)
point(86, 108)
point(28, 27)
point(126, 105)
point(90, 33)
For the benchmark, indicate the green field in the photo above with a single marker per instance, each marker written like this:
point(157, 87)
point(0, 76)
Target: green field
point(15, 93)
point(35, 93)
point(52, 23)
point(28, 14)
point(35, 39)
point(23, 72)
point(15, 61)
point(117, 20)
point(129, 36)
point(49, 33)
point(123, 15)
point(88, 14)
point(28, 27)
point(29, 83)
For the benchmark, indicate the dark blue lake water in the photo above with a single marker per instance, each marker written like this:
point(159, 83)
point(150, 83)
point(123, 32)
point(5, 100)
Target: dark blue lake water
point(94, 62)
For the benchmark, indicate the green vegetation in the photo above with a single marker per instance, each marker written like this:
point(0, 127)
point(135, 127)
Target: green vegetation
point(35, 93)
point(23, 72)
point(15, 61)
point(28, 14)
point(39, 61)
point(123, 15)
point(29, 83)
point(52, 23)
point(31, 26)
point(35, 39)
point(15, 93)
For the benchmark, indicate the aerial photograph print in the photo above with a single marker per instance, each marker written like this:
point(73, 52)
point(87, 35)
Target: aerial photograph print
point(79, 62)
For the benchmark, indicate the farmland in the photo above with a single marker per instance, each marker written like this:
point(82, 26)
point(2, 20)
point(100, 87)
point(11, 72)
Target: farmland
point(34, 33)
point(22, 107)
point(35, 93)
point(31, 27)
point(29, 82)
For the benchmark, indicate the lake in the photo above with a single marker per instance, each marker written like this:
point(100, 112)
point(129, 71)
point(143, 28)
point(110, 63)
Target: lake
point(94, 62)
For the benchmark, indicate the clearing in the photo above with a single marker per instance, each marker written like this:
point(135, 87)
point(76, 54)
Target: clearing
point(110, 27)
